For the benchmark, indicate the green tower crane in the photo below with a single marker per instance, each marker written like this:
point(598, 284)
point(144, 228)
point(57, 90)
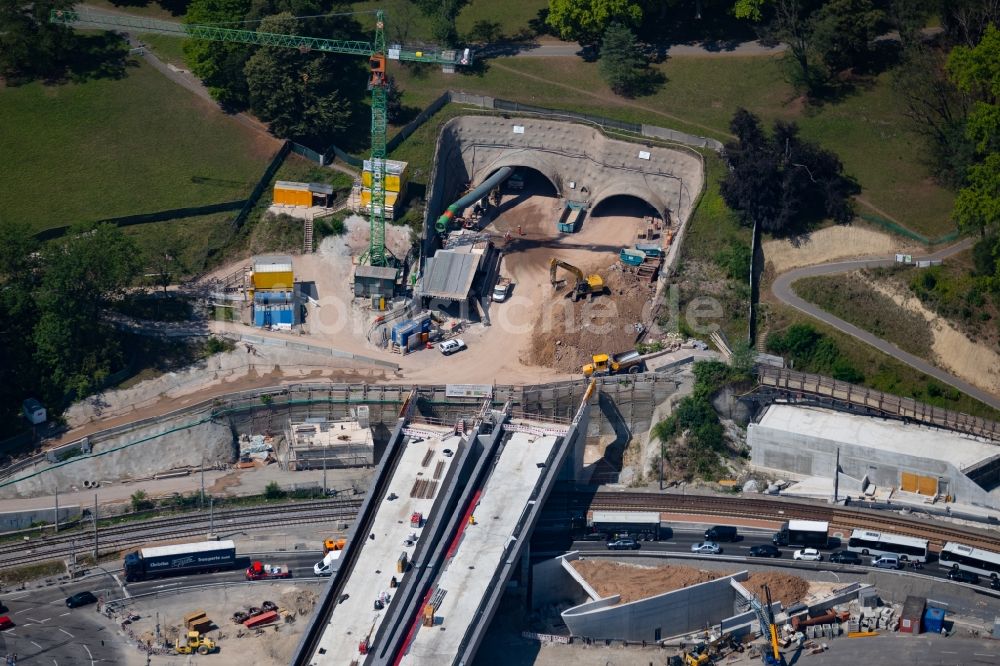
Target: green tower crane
point(375, 51)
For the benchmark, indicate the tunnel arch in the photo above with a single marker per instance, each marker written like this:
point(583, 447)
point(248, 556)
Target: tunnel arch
point(522, 158)
point(623, 204)
point(633, 191)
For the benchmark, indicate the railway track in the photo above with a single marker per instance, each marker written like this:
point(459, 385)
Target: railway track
point(116, 537)
point(840, 518)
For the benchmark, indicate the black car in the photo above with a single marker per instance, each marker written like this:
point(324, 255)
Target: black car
point(995, 583)
point(767, 550)
point(845, 557)
point(963, 576)
point(81, 599)
point(623, 544)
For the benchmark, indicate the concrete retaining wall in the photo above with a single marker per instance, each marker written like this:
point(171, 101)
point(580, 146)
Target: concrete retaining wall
point(654, 618)
point(20, 520)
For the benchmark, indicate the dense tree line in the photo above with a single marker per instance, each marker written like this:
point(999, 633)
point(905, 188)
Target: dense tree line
point(781, 181)
point(54, 343)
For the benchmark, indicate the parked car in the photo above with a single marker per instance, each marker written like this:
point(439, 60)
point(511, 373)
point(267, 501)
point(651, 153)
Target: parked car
point(722, 533)
point(449, 347)
point(594, 536)
point(961, 576)
point(5, 622)
point(808, 555)
point(706, 548)
point(623, 544)
point(766, 550)
point(846, 557)
point(886, 562)
point(81, 599)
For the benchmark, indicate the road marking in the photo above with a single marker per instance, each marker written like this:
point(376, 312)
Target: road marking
point(88, 654)
point(946, 652)
point(43, 621)
point(65, 614)
point(10, 632)
point(160, 587)
point(980, 654)
point(36, 645)
point(55, 662)
point(34, 620)
point(23, 610)
point(66, 632)
point(124, 589)
point(18, 596)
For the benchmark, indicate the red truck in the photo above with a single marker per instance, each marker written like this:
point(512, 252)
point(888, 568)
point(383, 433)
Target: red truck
point(263, 571)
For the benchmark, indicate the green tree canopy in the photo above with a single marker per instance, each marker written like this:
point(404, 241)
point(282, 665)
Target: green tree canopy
point(219, 64)
point(621, 63)
point(585, 21)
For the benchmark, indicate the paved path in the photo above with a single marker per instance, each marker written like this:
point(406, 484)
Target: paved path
point(782, 290)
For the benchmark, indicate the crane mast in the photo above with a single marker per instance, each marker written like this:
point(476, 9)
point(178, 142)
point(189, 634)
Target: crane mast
point(376, 51)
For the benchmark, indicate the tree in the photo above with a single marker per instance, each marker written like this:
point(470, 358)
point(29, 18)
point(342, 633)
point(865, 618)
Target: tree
point(782, 182)
point(443, 14)
point(18, 312)
point(966, 21)
point(141, 501)
point(298, 94)
point(843, 31)
point(621, 64)
point(220, 64)
point(585, 21)
point(273, 491)
point(82, 272)
point(30, 46)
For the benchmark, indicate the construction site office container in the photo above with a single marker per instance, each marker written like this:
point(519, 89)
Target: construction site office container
point(366, 198)
point(934, 620)
point(912, 615)
point(396, 175)
point(273, 297)
point(292, 194)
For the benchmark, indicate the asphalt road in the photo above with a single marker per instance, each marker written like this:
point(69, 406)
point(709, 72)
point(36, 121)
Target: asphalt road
point(47, 632)
point(782, 290)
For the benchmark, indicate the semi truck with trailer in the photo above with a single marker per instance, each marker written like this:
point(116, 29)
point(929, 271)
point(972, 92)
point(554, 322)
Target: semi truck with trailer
point(266, 571)
point(182, 558)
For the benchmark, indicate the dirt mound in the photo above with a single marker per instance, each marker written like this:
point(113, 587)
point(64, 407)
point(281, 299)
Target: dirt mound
point(300, 602)
point(634, 582)
point(566, 334)
point(785, 588)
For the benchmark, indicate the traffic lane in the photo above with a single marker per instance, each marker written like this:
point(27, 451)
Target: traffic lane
point(46, 631)
point(301, 565)
point(905, 649)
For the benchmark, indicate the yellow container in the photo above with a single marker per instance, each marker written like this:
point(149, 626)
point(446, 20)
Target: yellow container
point(275, 280)
point(366, 199)
point(393, 183)
point(292, 194)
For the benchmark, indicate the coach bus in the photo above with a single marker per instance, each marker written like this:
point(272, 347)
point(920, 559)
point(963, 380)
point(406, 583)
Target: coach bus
point(877, 544)
point(967, 558)
point(803, 534)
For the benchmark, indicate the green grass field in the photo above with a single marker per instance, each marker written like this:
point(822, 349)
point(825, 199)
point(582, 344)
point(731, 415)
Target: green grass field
point(168, 49)
point(867, 129)
point(110, 148)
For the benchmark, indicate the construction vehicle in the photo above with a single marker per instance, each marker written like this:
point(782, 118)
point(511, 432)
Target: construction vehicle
point(375, 51)
point(501, 290)
point(333, 544)
point(604, 364)
point(262, 571)
point(591, 285)
point(195, 643)
point(765, 617)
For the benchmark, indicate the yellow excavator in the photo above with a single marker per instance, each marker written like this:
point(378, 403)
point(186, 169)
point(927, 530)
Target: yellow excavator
point(589, 285)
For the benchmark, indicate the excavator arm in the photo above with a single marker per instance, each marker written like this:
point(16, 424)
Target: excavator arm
point(558, 263)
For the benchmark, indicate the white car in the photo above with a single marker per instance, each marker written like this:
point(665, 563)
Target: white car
point(449, 347)
point(808, 555)
point(706, 548)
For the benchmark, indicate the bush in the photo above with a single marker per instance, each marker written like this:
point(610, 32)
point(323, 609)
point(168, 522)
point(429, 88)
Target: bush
point(216, 345)
point(273, 491)
point(735, 260)
point(141, 501)
point(811, 351)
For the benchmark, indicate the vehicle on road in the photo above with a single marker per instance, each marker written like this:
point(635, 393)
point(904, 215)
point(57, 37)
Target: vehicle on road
point(808, 555)
point(81, 599)
point(706, 548)
point(977, 560)
point(333, 544)
point(886, 562)
point(802, 534)
point(449, 347)
point(906, 548)
point(5, 622)
point(265, 571)
point(623, 544)
point(960, 576)
point(845, 557)
point(995, 583)
point(325, 566)
point(722, 533)
point(182, 558)
point(765, 550)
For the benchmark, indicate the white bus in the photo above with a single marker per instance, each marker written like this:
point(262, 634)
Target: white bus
point(867, 542)
point(967, 558)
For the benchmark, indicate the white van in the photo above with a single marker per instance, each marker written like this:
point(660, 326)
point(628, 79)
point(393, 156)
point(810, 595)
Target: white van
point(325, 566)
point(886, 562)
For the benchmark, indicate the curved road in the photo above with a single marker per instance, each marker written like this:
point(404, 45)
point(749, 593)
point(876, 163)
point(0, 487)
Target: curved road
point(782, 290)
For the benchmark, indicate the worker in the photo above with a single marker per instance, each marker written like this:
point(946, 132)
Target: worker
point(520, 232)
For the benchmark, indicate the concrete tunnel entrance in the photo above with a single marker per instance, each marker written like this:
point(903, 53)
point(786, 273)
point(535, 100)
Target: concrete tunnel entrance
point(623, 205)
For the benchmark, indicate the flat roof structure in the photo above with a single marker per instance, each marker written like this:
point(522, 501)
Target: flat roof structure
point(483, 547)
point(887, 435)
point(346, 443)
point(414, 485)
point(449, 275)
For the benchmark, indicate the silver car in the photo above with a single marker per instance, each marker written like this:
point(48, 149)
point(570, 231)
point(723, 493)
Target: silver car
point(706, 548)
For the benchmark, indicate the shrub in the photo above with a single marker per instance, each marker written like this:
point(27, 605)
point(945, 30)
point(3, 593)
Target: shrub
point(273, 491)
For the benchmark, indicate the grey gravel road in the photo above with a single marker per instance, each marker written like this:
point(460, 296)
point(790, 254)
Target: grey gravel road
point(782, 290)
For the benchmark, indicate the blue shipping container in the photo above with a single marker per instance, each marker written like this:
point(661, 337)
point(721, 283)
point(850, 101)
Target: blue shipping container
point(401, 332)
point(934, 620)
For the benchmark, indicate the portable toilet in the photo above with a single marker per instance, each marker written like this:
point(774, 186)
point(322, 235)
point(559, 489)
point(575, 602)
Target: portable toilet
point(934, 620)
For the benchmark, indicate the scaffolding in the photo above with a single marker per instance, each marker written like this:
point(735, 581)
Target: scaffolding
point(322, 444)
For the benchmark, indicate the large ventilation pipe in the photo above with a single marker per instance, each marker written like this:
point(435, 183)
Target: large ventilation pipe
point(500, 176)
